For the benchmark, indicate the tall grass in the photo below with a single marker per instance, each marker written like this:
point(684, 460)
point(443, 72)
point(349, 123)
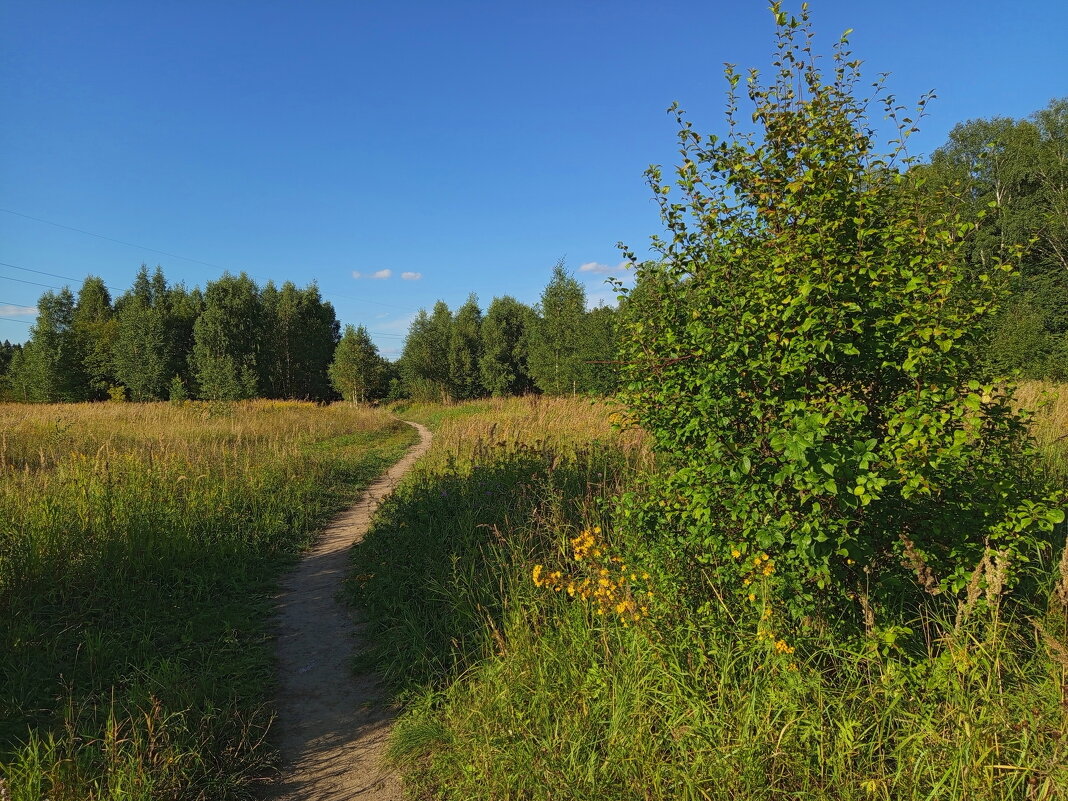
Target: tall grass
point(139, 548)
point(1049, 403)
point(519, 687)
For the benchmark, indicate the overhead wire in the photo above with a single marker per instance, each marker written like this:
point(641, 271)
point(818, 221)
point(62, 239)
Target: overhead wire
point(163, 253)
point(31, 283)
point(112, 239)
point(51, 275)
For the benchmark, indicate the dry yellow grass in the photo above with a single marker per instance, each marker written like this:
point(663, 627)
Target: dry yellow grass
point(1048, 403)
point(37, 436)
point(559, 425)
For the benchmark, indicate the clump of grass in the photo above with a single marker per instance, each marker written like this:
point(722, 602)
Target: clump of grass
point(518, 688)
point(139, 549)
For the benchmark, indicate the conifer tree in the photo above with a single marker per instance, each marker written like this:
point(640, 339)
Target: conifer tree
point(10, 353)
point(141, 356)
point(555, 357)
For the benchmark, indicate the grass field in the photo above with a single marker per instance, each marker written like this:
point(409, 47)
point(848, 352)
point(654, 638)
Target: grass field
point(521, 606)
point(535, 627)
point(139, 549)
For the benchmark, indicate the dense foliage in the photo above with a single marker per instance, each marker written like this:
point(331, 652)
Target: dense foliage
point(1011, 178)
point(233, 341)
point(805, 362)
point(358, 373)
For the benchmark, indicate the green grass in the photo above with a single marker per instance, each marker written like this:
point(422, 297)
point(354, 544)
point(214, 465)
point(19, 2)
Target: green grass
point(518, 691)
point(139, 554)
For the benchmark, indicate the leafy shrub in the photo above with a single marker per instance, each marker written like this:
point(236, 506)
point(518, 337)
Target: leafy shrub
point(800, 357)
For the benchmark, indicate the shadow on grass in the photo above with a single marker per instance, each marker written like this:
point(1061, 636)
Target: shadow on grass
point(432, 576)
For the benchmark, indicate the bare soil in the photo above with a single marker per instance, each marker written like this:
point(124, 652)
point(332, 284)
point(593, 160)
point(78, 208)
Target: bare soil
point(332, 724)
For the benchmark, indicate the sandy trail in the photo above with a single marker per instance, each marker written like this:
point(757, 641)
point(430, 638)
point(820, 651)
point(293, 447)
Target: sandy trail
point(332, 725)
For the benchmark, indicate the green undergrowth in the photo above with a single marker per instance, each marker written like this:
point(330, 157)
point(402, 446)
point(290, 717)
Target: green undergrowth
point(139, 551)
point(527, 683)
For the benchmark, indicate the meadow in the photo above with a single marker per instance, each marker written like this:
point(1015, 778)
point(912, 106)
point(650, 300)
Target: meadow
point(140, 545)
point(545, 645)
point(544, 642)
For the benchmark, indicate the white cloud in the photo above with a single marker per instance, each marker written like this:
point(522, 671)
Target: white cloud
point(17, 311)
point(605, 269)
point(409, 276)
point(380, 274)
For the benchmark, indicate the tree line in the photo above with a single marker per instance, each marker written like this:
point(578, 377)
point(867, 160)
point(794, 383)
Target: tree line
point(157, 341)
point(235, 340)
point(556, 347)
point(1010, 177)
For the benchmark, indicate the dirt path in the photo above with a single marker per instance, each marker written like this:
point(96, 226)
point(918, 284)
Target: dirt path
point(332, 725)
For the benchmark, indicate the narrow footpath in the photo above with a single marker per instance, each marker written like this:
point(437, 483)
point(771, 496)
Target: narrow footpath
point(332, 725)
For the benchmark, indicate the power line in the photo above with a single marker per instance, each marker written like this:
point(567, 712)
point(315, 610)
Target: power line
point(51, 275)
point(13, 320)
point(31, 283)
point(116, 241)
point(152, 250)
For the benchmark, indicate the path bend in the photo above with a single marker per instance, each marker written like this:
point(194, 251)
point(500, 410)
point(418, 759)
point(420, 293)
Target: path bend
point(332, 725)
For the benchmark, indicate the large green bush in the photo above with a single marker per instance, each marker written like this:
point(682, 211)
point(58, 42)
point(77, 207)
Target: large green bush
point(800, 357)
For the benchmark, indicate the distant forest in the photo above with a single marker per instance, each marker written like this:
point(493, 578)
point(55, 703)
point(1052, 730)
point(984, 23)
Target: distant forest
point(235, 340)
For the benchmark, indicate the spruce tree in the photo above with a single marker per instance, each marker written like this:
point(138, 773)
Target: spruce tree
point(141, 354)
point(555, 359)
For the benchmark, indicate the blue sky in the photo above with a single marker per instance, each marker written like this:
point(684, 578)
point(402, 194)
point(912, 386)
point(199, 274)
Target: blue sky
point(454, 146)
